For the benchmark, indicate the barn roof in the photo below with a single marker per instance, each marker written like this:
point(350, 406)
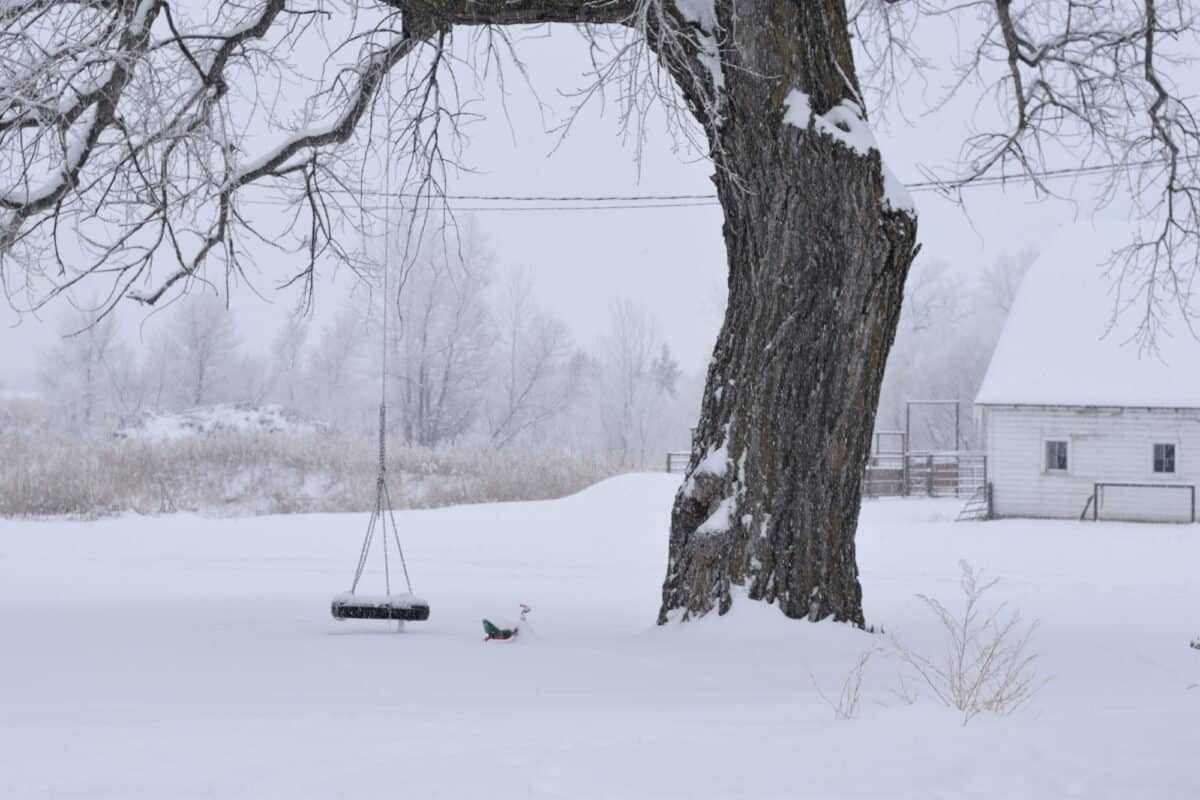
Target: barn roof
point(1063, 344)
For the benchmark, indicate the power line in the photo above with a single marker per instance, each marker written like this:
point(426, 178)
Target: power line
point(711, 203)
point(626, 202)
point(606, 207)
point(549, 198)
point(1026, 177)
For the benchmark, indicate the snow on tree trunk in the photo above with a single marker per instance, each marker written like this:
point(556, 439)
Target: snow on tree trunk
point(819, 240)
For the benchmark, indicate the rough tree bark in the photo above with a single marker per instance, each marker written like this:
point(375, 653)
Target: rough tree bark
point(817, 263)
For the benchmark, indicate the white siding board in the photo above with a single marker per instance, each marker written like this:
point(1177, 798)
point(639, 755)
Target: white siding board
point(1106, 445)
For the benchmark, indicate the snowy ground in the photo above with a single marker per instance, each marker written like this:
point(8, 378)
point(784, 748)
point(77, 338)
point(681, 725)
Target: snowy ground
point(182, 657)
point(219, 418)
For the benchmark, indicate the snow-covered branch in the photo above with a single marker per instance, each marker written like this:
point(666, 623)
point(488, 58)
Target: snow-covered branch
point(132, 132)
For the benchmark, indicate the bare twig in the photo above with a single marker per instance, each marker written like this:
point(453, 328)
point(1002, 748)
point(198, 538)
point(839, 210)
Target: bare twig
point(849, 698)
point(987, 665)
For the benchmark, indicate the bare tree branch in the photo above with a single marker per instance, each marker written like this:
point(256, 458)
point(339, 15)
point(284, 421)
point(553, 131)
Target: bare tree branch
point(119, 129)
point(1082, 80)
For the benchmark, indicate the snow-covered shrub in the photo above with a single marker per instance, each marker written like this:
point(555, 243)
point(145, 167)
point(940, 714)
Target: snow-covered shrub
point(987, 664)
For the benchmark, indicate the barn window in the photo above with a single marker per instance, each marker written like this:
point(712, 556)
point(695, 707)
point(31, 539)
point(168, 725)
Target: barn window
point(1056, 456)
point(1164, 459)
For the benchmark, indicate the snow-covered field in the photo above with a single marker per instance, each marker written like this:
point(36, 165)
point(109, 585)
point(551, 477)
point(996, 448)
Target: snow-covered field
point(183, 657)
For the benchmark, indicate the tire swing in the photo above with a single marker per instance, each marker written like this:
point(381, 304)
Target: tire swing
point(401, 606)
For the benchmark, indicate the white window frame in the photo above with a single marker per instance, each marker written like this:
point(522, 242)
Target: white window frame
point(1164, 475)
point(1070, 455)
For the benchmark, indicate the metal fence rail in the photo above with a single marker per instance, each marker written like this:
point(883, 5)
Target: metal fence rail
point(929, 474)
point(677, 462)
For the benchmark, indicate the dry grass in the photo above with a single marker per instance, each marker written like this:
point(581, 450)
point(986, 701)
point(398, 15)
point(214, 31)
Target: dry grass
point(848, 701)
point(46, 474)
point(987, 664)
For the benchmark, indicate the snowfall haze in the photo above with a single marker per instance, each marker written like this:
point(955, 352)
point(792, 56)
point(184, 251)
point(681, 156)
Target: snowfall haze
point(829, 391)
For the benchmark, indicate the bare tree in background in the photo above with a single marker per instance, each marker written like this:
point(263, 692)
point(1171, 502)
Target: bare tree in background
point(531, 358)
point(944, 342)
point(628, 352)
point(87, 378)
point(253, 377)
point(1107, 84)
point(441, 340)
point(1003, 278)
point(155, 376)
point(203, 347)
point(665, 370)
point(336, 370)
point(119, 131)
point(287, 359)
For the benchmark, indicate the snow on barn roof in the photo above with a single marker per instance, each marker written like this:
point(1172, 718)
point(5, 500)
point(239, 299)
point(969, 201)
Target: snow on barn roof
point(1060, 345)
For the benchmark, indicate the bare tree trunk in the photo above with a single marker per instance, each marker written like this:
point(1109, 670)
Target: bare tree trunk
point(817, 262)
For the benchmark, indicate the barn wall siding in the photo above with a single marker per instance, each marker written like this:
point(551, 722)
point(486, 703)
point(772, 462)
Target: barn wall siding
point(1109, 445)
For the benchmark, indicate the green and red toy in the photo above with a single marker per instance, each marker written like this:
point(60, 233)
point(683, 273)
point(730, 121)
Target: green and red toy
point(502, 630)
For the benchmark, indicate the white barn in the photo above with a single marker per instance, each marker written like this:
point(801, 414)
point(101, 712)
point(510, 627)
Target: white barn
point(1072, 415)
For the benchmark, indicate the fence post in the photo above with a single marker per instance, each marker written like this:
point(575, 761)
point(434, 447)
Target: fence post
point(929, 475)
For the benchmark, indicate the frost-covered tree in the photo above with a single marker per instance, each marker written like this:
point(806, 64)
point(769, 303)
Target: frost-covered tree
point(336, 376)
point(642, 411)
point(440, 338)
point(947, 332)
point(665, 370)
point(628, 350)
point(1003, 278)
point(125, 128)
point(288, 351)
point(202, 350)
point(88, 377)
point(155, 375)
point(528, 365)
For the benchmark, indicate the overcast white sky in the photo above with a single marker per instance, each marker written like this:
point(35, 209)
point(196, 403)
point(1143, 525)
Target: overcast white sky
point(670, 260)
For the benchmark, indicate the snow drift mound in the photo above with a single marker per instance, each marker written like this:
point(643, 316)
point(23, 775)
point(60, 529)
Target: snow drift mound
point(222, 418)
point(629, 486)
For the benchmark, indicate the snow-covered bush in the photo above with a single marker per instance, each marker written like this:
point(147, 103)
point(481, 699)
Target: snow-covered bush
point(987, 664)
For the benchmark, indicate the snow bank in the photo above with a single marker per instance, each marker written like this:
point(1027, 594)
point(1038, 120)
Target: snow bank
point(208, 420)
point(1064, 343)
